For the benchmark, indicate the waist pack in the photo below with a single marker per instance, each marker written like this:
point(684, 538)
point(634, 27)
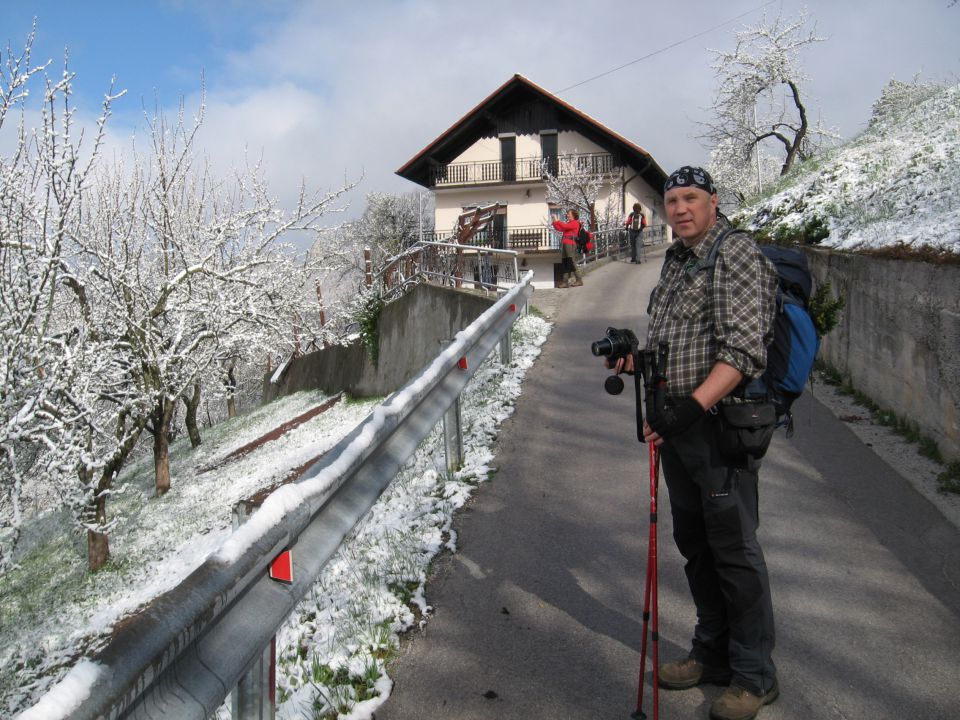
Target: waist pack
point(746, 429)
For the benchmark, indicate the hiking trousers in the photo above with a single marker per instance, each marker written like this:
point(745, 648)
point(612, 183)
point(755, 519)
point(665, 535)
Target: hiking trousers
point(714, 503)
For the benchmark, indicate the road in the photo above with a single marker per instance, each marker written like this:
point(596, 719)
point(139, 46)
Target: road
point(538, 614)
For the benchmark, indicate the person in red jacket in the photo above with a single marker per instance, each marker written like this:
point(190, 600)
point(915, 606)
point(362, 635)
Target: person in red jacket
point(636, 222)
point(568, 246)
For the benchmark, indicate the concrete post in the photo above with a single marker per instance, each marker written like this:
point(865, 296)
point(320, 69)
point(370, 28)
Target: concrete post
point(254, 697)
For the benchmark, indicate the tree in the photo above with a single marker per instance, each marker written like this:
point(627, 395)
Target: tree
point(760, 97)
point(578, 183)
point(51, 358)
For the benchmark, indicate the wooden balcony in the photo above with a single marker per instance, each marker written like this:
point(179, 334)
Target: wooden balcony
point(529, 169)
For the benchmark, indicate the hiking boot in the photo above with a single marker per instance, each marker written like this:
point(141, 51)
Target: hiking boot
point(562, 284)
point(576, 283)
point(688, 673)
point(737, 703)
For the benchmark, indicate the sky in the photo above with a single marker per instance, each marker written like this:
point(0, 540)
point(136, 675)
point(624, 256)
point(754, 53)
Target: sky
point(330, 92)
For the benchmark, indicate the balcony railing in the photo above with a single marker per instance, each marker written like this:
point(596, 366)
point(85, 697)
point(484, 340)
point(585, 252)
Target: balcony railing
point(537, 237)
point(521, 170)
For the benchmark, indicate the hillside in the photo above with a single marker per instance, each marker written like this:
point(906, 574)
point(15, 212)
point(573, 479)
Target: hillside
point(898, 183)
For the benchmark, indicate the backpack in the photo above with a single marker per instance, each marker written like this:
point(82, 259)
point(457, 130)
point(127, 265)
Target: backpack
point(583, 239)
point(637, 221)
point(791, 354)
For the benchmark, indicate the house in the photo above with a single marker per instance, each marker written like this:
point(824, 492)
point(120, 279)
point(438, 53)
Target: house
point(499, 152)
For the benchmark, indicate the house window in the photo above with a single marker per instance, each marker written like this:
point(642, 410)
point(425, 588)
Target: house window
point(508, 158)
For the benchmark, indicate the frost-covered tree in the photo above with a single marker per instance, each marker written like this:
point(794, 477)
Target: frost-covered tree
point(51, 361)
point(760, 103)
point(578, 184)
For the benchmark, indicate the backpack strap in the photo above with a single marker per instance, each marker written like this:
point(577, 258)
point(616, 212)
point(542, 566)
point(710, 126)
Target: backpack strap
point(710, 259)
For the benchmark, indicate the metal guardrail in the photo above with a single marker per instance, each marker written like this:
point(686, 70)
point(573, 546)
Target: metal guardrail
point(182, 655)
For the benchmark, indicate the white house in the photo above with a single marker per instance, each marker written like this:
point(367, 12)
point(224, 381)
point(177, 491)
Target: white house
point(497, 152)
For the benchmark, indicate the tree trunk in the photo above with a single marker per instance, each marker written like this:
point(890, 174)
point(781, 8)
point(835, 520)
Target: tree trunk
point(162, 415)
point(98, 543)
point(193, 403)
point(232, 389)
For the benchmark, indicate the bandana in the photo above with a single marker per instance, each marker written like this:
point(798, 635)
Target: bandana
point(688, 176)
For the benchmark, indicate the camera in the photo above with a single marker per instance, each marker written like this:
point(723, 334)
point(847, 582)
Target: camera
point(617, 344)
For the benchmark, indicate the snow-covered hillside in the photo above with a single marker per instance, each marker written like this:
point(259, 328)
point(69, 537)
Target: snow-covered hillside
point(896, 183)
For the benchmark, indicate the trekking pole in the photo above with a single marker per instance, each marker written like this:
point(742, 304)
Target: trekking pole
point(650, 598)
point(656, 389)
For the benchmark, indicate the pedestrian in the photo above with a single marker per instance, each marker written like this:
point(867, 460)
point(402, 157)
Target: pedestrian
point(718, 323)
point(636, 222)
point(568, 247)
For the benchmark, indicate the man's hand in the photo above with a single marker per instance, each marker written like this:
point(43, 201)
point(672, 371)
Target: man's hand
point(674, 420)
point(622, 365)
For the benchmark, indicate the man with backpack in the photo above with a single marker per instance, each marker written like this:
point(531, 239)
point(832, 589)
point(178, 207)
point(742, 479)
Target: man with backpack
point(718, 324)
point(636, 222)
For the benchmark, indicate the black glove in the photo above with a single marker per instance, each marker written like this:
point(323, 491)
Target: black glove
point(674, 420)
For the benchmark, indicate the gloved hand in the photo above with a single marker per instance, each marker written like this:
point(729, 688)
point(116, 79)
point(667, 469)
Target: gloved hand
point(674, 420)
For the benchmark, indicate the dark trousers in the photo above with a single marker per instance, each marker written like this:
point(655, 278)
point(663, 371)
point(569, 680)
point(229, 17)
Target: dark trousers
point(715, 518)
point(634, 239)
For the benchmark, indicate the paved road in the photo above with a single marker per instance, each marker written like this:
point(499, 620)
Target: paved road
point(538, 614)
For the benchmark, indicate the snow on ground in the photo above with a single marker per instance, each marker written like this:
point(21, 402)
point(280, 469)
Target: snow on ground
point(898, 182)
point(331, 653)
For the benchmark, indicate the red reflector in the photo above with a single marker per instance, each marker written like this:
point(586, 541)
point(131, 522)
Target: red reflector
point(281, 569)
point(462, 363)
point(513, 308)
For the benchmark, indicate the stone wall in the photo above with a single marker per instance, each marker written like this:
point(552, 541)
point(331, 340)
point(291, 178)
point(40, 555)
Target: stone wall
point(899, 337)
point(412, 330)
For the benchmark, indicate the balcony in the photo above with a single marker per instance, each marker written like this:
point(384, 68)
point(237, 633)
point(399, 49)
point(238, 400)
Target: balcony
point(529, 169)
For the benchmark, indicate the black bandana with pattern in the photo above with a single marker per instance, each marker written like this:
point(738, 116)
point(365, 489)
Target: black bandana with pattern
point(689, 176)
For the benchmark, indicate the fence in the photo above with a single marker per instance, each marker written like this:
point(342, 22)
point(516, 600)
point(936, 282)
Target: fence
point(453, 265)
point(192, 646)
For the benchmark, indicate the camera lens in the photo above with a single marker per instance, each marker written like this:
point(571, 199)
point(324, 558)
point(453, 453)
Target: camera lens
point(602, 347)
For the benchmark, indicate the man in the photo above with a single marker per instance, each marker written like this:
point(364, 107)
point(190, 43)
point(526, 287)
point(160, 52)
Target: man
point(718, 322)
point(636, 222)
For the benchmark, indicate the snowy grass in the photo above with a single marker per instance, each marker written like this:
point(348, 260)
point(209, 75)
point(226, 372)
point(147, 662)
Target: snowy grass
point(333, 651)
point(898, 183)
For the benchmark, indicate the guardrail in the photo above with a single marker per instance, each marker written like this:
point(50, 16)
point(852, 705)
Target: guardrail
point(183, 654)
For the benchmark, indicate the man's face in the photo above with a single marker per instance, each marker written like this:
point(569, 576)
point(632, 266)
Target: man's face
point(691, 212)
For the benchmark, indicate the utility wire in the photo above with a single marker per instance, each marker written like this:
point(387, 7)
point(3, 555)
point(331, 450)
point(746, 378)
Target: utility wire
point(668, 47)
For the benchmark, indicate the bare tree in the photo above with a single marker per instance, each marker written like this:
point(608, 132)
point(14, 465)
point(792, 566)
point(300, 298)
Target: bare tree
point(760, 96)
point(577, 183)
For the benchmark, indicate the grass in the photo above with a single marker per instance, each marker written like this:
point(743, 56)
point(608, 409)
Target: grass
point(948, 481)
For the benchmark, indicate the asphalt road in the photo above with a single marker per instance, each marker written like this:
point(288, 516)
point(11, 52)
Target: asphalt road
point(538, 615)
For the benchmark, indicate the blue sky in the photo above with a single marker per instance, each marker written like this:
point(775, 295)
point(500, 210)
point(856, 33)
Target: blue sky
point(328, 90)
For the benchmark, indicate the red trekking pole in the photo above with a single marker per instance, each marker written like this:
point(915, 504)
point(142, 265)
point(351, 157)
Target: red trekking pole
point(650, 598)
point(656, 382)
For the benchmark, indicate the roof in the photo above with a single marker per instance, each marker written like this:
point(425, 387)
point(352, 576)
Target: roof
point(517, 90)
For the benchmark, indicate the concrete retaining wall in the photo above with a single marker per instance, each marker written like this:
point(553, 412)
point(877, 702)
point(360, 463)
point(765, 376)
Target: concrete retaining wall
point(899, 338)
point(412, 330)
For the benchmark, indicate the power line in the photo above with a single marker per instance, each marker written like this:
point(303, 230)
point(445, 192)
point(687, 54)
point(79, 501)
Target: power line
point(668, 47)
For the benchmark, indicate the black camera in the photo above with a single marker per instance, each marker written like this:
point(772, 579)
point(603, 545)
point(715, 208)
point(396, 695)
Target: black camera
point(617, 344)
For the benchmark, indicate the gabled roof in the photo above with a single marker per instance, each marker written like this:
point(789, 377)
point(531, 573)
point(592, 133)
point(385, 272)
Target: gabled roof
point(482, 119)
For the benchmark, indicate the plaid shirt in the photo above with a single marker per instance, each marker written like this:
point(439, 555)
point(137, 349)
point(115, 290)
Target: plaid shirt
point(724, 314)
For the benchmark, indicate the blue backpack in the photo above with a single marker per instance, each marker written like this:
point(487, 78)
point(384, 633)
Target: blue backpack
point(795, 343)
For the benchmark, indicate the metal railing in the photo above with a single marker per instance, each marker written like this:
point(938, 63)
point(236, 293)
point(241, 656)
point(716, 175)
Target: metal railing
point(453, 265)
point(520, 170)
point(182, 655)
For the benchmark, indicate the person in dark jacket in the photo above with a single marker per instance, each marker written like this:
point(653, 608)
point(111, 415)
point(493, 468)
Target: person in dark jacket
point(636, 222)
